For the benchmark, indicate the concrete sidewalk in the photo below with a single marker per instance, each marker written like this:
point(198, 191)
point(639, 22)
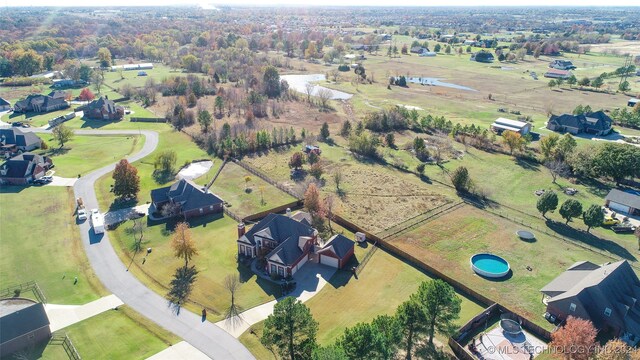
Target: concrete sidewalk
point(310, 280)
point(60, 181)
point(180, 351)
point(62, 316)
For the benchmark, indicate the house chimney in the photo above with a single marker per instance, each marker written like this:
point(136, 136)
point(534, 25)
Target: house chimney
point(241, 230)
point(288, 212)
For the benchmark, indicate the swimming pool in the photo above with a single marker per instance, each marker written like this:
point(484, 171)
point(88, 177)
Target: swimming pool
point(489, 265)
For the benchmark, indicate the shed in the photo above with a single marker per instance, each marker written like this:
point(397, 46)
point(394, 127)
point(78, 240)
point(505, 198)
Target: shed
point(336, 252)
point(632, 102)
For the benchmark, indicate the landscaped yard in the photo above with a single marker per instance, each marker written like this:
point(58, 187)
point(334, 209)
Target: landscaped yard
point(40, 242)
point(115, 334)
point(87, 153)
point(215, 238)
point(448, 242)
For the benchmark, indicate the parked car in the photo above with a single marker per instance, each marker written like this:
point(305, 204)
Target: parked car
point(623, 229)
point(609, 221)
point(16, 123)
point(47, 178)
point(82, 214)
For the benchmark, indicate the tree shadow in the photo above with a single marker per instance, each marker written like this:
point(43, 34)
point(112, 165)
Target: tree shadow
point(122, 203)
point(57, 151)
point(527, 165)
point(11, 189)
point(181, 286)
point(596, 187)
point(500, 279)
point(163, 177)
point(96, 124)
point(590, 239)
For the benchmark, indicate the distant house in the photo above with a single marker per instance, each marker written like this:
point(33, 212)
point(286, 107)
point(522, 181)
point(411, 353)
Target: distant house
point(14, 140)
point(23, 324)
point(632, 102)
point(42, 103)
point(385, 37)
point(4, 105)
point(312, 148)
point(502, 124)
point(623, 202)
point(103, 109)
point(558, 74)
point(142, 73)
point(190, 199)
point(608, 295)
point(64, 83)
point(418, 49)
point(562, 65)
point(470, 42)
point(428, 54)
point(24, 168)
point(287, 242)
point(597, 123)
point(482, 56)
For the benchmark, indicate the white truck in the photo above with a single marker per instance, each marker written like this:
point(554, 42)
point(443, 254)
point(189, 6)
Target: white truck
point(97, 221)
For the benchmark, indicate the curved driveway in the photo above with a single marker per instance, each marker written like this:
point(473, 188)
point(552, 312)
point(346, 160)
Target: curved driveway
point(205, 336)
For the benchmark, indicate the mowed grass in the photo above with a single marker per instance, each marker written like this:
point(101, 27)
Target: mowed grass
point(87, 153)
point(116, 334)
point(448, 242)
point(385, 282)
point(39, 241)
point(215, 238)
point(158, 73)
point(261, 196)
point(373, 195)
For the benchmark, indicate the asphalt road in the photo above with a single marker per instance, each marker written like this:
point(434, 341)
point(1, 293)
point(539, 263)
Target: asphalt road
point(203, 335)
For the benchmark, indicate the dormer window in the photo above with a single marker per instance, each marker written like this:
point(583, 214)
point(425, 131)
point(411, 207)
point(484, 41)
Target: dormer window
point(607, 312)
point(572, 307)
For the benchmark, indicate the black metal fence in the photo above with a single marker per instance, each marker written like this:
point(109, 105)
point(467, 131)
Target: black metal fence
point(61, 338)
point(11, 291)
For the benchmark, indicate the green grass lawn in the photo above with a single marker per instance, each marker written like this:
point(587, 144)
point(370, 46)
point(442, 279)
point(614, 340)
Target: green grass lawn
point(115, 334)
point(448, 242)
point(216, 242)
point(40, 242)
point(230, 186)
point(158, 73)
point(384, 283)
point(86, 153)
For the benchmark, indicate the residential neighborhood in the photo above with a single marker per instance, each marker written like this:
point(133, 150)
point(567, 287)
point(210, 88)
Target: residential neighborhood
point(285, 181)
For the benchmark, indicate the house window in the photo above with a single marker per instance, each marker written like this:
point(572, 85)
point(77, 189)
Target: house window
point(280, 271)
point(241, 249)
point(273, 269)
point(572, 307)
point(211, 207)
point(607, 312)
point(201, 210)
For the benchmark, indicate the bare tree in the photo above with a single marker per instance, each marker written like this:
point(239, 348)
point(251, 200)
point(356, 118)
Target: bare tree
point(325, 96)
point(137, 230)
point(329, 205)
point(308, 89)
point(335, 74)
point(233, 314)
point(557, 168)
point(337, 178)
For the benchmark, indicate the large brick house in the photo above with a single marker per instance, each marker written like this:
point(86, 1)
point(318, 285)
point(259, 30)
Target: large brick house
point(42, 103)
point(14, 140)
point(103, 109)
point(24, 168)
point(188, 198)
point(597, 123)
point(608, 295)
point(288, 242)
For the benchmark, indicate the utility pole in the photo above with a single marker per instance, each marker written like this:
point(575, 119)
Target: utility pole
point(625, 74)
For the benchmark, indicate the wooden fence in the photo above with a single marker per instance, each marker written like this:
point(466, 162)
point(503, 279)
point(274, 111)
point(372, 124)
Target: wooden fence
point(292, 205)
point(148, 120)
point(266, 178)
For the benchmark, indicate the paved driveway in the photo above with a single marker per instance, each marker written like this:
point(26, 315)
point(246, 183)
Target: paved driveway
point(204, 336)
point(309, 281)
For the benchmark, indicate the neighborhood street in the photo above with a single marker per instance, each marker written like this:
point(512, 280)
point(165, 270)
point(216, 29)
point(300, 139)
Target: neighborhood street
point(203, 335)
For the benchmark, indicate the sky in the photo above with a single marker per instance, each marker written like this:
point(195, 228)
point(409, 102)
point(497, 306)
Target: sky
point(327, 2)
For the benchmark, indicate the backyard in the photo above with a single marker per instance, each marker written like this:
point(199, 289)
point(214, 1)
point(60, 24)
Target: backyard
point(446, 243)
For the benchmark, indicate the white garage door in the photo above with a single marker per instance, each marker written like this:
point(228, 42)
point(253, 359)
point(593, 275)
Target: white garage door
point(327, 260)
point(618, 207)
point(302, 262)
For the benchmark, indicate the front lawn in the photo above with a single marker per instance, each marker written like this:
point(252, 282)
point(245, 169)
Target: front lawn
point(40, 242)
point(87, 153)
point(116, 334)
point(215, 238)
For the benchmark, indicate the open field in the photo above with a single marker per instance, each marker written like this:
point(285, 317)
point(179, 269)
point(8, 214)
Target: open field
point(372, 194)
point(215, 237)
point(115, 334)
point(86, 153)
point(40, 242)
point(247, 198)
point(448, 242)
point(389, 278)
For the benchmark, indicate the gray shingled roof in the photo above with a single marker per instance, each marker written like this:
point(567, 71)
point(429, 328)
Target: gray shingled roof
point(22, 322)
point(340, 245)
point(189, 194)
point(624, 198)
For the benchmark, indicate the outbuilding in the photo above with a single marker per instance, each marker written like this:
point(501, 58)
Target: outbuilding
point(336, 252)
point(23, 324)
point(623, 202)
point(631, 103)
point(502, 124)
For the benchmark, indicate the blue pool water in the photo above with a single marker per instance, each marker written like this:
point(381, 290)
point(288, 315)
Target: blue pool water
point(490, 263)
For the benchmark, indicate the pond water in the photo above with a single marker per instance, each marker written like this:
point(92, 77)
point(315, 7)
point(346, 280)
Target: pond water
point(437, 82)
point(299, 83)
